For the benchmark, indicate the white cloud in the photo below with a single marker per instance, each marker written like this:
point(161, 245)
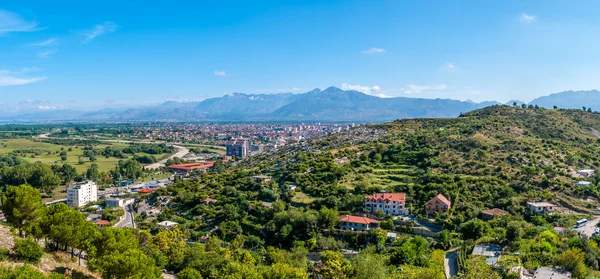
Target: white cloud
point(49, 42)
point(373, 50)
point(46, 54)
point(525, 18)
point(220, 73)
point(97, 30)
point(449, 66)
point(11, 80)
point(50, 107)
point(369, 90)
point(412, 88)
point(11, 22)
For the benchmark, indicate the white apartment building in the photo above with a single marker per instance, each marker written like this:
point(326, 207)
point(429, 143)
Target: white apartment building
point(82, 193)
point(390, 203)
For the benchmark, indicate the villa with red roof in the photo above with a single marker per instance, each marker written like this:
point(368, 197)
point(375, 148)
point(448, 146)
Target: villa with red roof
point(438, 204)
point(357, 223)
point(390, 203)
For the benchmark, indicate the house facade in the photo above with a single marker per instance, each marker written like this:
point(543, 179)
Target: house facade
point(541, 207)
point(390, 203)
point(438, 204)
point(357, 223)
point(82, 193)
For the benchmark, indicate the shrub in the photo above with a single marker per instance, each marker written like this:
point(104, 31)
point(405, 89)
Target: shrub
point(4, 254)
point(28, 250)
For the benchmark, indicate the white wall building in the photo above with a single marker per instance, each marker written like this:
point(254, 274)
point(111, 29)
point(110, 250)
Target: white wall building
point(541, 207)
point(119, 202)
point(82, 193)
point(390, 203)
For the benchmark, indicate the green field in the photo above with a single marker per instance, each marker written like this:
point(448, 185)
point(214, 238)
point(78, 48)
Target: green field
point(9, 145)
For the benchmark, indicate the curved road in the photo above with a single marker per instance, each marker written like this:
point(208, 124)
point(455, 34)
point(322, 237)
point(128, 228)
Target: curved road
point(182, 151)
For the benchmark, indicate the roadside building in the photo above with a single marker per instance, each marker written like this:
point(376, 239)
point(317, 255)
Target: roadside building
point(492, 213)
point(357, 223)
point(82, 193)
point(541, 207)
point(119, 202)
point(438, 204)
point(390, 203)
point(102, 223)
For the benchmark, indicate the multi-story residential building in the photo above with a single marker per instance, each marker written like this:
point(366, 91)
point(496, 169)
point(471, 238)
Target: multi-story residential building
point(389, 203)
point(82, 193)
point(238, 148)
point(438, 204)
point(357, 223)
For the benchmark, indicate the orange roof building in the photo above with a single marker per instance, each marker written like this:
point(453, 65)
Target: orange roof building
point(359, 223)
point(389, 203)
point(438, 204)
point(186, 168)
point(102, 223)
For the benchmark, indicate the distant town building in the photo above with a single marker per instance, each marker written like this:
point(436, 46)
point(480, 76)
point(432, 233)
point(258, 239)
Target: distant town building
point(238, 148)
point(82, 193)
point(358, 223)
point(389, 203)
point(438, 204)
point(541, 207)
point(491, 213)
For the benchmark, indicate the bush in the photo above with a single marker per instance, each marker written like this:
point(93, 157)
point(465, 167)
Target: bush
point(4, 254)
point(28, 250)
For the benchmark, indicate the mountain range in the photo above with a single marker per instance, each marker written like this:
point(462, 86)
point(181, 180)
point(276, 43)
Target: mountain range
point(331, 104)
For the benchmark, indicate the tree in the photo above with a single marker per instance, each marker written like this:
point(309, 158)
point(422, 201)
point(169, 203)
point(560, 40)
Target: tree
point(589, 110)
point(328, 218)
point(514, 231)
point(370, 266)
point(555, 107)
point(523, 105)
point(28, 250)
point(189, 273)
point(93, 172)
point(25, 272)
point(22, 206)
point(67, 172)
point(514, 104)
point(583, 108)
point(474, 229)
point(133, 263)
point(477, 268)
point(130, 169)
point(335, 266)
point(573, 260)
point(43, 178)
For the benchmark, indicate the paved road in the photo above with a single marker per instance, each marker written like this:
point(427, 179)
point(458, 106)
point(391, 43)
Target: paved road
point(128, 221)
point(451, 263)
point(182, 151)
point(589, 227)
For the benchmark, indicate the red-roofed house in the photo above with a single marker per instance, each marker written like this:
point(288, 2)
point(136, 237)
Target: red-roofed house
point(357, 223)
point(438, 204)
point(102, 223)
point(187, 168)
point(389, 203)
point(491, 213)
point(146, 190)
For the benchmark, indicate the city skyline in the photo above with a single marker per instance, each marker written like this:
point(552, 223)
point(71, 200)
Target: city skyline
point(89, 56)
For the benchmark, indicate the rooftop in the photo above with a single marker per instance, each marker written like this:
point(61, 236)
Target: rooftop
point(357, 219)
point(488, 250)
point(551, 273)
point(398, 197)
point(540, 204)
point(494, 211)
point(192, 166)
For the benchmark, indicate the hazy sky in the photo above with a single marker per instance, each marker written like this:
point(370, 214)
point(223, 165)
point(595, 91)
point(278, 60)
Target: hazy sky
point(93, 54)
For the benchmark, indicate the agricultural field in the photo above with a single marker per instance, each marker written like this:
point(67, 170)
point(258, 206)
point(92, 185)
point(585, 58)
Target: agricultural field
point(50, 153)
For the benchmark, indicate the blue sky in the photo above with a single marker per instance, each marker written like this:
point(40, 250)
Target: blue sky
point(95, 54)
